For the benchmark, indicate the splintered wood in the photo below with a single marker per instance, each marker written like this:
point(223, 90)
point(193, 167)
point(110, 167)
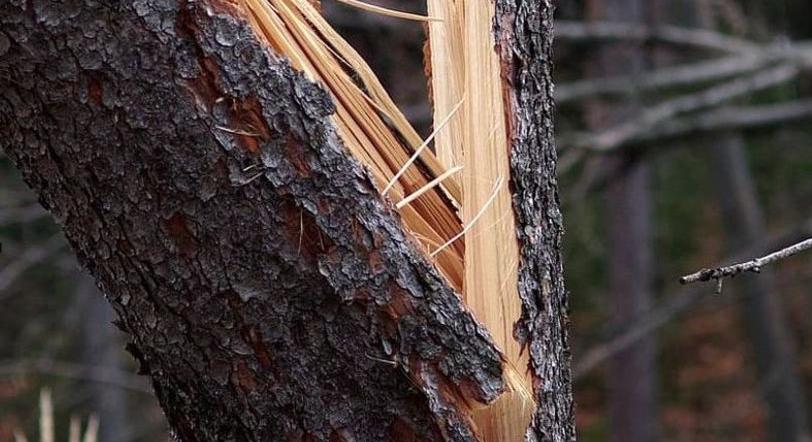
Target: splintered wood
point(464, 63)
point(369, 123)
point(455, 198)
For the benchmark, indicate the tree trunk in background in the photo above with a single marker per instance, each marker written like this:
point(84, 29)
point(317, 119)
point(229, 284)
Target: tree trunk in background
point(631, 375)
point(269, 291)
point(101, 351)
point(762, 307)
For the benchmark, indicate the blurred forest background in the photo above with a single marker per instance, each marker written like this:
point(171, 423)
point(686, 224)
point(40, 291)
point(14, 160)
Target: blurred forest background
point(685, 138)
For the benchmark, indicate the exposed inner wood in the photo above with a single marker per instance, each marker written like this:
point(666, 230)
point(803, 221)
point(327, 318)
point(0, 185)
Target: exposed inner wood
point(455, 200)
point(463, 62)
point(372, 127)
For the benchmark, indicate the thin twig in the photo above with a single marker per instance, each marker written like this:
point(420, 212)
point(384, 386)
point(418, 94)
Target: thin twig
point(673, 306)
point(389, 12)
point(754, 266)
point(422, 147)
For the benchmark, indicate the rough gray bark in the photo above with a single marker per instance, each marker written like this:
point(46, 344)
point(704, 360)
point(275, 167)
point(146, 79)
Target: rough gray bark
point(284, 302)
point(631, 375)
point(525, 40)
point(762, 308)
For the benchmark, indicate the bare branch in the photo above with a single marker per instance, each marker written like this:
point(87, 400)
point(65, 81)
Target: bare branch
point(22, 215)
point(30, 257)
point(730, 118)
point(754, 266)
point(623, 133)
point(639, 329)
point(669, 309)
point(705, 39)
point(745, 57)
point(693, 73)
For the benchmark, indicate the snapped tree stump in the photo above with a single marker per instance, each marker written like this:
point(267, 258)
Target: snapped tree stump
point(270, 292)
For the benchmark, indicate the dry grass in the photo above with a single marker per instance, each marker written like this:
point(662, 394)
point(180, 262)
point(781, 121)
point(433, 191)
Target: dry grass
point(454, 199)
point(47, 432)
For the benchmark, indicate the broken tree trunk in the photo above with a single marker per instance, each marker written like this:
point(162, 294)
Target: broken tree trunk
point(270, 292)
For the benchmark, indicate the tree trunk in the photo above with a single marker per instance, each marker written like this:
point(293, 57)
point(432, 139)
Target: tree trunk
point(269, 291)
point(762, 307)
point(631, 375)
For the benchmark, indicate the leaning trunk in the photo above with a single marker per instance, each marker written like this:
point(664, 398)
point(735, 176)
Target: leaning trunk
point(216, 193)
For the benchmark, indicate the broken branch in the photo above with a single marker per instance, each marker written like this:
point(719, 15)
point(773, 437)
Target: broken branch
point(754, 266)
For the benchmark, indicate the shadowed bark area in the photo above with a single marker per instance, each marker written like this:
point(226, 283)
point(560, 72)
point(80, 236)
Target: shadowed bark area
point(270, 293)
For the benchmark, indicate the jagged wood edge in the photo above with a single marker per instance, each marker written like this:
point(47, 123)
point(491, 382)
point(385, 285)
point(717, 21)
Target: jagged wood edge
point(262, 309)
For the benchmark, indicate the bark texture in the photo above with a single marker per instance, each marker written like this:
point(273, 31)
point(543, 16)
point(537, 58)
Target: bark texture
point(270, 293)
point(524, 33)
point(262, 310)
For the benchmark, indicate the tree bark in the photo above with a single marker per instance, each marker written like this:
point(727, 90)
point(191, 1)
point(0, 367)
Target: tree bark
point(524, 33)
point(269, 291)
